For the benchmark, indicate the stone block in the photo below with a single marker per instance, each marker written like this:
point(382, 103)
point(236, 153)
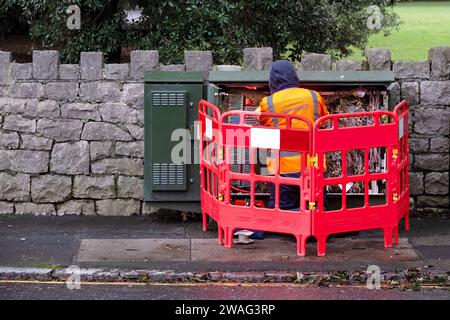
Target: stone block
point(416, 183)
point(124, 166)
point(69, 72)
point(29, 208)
point(50, 188)
point(141, 61)
point(100, 149)
point(435, 93)
point(410, 92)
point(439, 145)
point(432, 162)
point(198, 61)
point(42, 109)
point(349, 65)
point(316, 62)
point(119, 113)
point(83, 111)
point(257, 58)
point(131, 149)
point(436, 183)
point(94, 187)
point(136, 132)
point(62, 90)
point(133, 95)
point(104, 131)
point(76, 207)
point(440, 62)
point(26, 161)
point(28, 90)
point(33, 142)
point(118, 207)
point(432, 121)
point(378, 59)
point(70, 158)
point(130, 187)
point(116, 71)
point(100, 91)
point(60, 129)
point(9, 140)
point(22, 71)
point(12, 105)
point(91, 65)
point(419, 145)
point(14, 187)
point(412, 70)
point(17, 122)
point(433, 201)
point(45, 65)
point(6, 207)
point(5, 67)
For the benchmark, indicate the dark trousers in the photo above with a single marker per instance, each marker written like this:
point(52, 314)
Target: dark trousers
point(290, 195)
point(289, 199)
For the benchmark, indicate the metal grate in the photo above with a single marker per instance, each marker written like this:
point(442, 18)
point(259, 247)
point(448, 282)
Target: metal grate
point(168, 174)
point(168, 99)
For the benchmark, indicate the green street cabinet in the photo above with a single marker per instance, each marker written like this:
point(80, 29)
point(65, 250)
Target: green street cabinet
point(171, 100)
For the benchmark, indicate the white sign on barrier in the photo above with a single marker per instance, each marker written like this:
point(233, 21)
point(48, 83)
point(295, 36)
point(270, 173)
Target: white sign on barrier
point(401, 128)
point(265, 138)
point(208, 128)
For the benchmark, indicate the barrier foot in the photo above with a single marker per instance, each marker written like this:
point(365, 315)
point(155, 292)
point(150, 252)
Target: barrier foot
point(388, 237)
point(205, 221)
point(321, 245)
point(220, 235)
point(407, 221)
point(229, 238)
point(301, 245)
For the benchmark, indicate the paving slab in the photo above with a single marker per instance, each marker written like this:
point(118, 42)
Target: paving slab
point(131, 250)
point(271, 249)
point(208, 250)
point(365, 250)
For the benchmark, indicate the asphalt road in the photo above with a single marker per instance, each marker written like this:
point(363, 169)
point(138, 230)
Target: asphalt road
point(59, 291)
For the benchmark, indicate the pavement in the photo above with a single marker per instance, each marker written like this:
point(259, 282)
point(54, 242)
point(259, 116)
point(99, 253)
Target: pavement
point(163, 248)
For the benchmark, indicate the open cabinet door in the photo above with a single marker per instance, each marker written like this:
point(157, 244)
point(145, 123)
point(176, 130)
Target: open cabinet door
point(212, 94)
point(401, 111)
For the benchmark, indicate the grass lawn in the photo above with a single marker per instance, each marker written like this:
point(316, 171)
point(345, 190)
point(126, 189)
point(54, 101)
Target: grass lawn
point(426, 24)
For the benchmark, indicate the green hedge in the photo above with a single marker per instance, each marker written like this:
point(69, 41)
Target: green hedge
point(226, 27)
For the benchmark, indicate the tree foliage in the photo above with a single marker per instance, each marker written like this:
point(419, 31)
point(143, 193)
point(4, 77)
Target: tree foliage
point(291, 27)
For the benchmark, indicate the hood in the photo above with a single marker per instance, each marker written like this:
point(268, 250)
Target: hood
point(282, 76)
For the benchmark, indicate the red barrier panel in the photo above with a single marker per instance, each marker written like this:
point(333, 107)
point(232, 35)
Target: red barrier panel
point(256, 140)
point(235, 194)
point(381, 131)
point(208, 116)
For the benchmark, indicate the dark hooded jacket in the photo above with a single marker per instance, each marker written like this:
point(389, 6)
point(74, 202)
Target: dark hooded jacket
point(283, 76)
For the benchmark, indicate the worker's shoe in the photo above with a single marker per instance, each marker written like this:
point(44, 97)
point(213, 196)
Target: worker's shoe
point(243, 237)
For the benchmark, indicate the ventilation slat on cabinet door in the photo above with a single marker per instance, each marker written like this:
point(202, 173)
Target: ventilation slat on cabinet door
point(168, 114)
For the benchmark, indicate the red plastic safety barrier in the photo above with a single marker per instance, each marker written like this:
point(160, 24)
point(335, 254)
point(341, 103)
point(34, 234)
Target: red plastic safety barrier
point(208, 116)
point(392, 136)
point(234, 206)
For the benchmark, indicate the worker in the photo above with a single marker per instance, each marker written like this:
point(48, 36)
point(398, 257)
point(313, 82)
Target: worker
point(288, 98)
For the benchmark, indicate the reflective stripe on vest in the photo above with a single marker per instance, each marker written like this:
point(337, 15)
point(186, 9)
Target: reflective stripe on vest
point(283, 154)
point(272, 109)
point(316, 111)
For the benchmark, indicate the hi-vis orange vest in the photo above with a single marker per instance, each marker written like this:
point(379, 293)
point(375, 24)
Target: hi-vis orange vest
point(296, 101)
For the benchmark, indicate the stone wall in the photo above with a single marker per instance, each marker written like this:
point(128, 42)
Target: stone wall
point(71, 135)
